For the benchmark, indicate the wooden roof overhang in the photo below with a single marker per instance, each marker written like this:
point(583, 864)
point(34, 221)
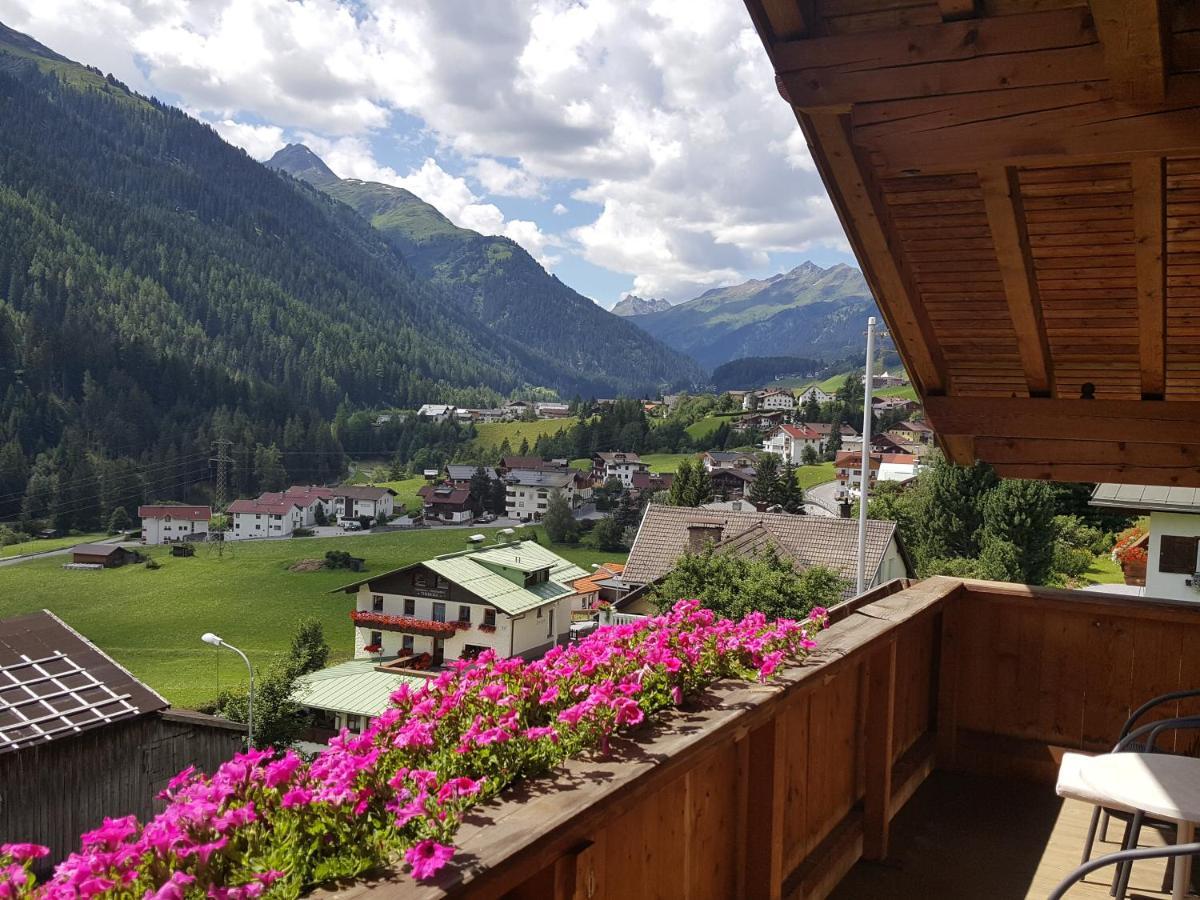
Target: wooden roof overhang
point(1020, 180)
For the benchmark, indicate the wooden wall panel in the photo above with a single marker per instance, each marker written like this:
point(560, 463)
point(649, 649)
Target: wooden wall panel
point(833, 733)
point(1183, 278)
point(914, 685)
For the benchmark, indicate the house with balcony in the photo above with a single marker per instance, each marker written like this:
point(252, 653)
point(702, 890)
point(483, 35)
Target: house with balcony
point(353, 501)
point(514, 598)
point(1173, 546)
point(527, 492)
point(448, 503)
point(168, 523)
point(788, 442)
point(813, 393)
point(770, 399)
point(311, 498)
point(621, 466)
point(726, 459)
point(270, 515)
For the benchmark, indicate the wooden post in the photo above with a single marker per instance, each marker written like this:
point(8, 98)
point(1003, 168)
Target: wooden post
point(761, 759)
point(947, 682)
point(880, 730)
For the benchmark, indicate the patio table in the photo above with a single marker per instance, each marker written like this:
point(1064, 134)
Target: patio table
point(1159, 784)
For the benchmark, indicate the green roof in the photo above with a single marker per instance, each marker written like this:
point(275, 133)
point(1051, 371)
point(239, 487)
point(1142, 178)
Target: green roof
point(465, 569)
point(354, 687)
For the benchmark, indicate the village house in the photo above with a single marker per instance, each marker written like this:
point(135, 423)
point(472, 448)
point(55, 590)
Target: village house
point(814, 393)
point(310, 498)
point(513, 598)
point(603, 585)
point(666, 533)
point(788, 442)
point(527, 491)
point(437, 412)
point(726, 459)
point(552, 410)
point(888, 380)
point(348, 695)
point(270, 515)
point(460, 476)
point(763, 421)
point(448, 503)
point(77, 727)
point(730, 484)
point(517, 409)
point(617, 465)
point(771, 399)
point(1173, 547)
point(825, 430)
point(847, 467)
point(351, 501)
point(912, 432)
point(901, 467)
point(529, 463)
point(167, 523)
point(648, 482)
point(890, 404)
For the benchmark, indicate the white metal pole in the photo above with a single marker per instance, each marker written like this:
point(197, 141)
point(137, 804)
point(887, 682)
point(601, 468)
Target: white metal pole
point(865, 478)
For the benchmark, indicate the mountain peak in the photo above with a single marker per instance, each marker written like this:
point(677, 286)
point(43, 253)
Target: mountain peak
point(24, 44)
point(633, 305)
point(300, 162)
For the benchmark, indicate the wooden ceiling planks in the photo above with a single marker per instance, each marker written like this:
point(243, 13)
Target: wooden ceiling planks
point(1021, 181)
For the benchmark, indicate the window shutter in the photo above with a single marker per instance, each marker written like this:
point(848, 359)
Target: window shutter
point(1177, 555)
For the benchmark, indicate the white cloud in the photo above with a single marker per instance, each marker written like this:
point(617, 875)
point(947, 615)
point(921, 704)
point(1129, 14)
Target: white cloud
point(260, 141)
point(662, 113)
point(559, 210)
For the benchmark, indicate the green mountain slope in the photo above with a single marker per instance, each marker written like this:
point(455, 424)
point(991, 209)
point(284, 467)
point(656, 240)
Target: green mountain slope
point(505, 288)
point(808, 312)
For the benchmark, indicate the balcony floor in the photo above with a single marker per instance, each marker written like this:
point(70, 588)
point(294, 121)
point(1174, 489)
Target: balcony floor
point(973, 837)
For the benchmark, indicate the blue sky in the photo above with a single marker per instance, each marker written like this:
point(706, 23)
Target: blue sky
point(629, 145)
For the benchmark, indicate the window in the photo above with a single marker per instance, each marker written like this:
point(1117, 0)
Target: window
point(377, 638)
point(464, 614)
point(1177, 555)
point(410, 606)
point(353, 723)
point(539, 612)
point(489, 617)
point(550, 624)
point(406, 643)
point(421, 579)
point(439, 612)
point(377, 602)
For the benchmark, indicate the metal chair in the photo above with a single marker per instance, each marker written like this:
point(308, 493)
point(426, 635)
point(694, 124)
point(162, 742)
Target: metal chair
point(1120, 858)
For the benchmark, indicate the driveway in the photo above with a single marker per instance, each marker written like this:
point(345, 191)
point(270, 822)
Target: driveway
point(819, 500)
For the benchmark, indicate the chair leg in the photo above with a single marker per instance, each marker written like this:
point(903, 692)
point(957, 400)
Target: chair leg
point(1131, 841)
point(1104, 826)
point(1091, 836)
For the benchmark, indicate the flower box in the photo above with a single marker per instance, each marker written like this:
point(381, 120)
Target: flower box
point(488, 629)
point(405, 624)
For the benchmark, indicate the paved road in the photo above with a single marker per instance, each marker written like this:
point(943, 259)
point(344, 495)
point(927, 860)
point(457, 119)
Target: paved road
point(819, 500)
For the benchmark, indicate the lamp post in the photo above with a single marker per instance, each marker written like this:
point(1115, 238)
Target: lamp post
point(209, 638)
point(865, 480)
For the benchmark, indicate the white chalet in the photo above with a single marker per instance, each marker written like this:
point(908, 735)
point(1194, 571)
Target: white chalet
point(617, 465)
point(438, 412)
point(270, 515)
point(514, 598)
point(769, 400)
point(788, 442)
point(1173, 551)
point(527, 491)
point(353, 500)
point(814, 391)
point(166, 524)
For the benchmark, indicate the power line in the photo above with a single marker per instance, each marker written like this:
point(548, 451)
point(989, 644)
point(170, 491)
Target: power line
point(146, 470)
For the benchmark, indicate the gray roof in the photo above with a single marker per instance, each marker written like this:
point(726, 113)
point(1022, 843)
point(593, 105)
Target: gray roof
point(530, 478)
point(1147, 496)
point(356, 687)
point(662, 539)
point(464, 473)
point(362, 491)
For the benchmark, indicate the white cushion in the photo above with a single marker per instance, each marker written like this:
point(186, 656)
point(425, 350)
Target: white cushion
point(1071, 785)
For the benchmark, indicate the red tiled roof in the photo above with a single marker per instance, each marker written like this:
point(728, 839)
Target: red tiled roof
point(912, 426)
point(849, 459)
point(309, 491)
point(588, 583)
point(192, 513)
point(903, 459)
point(800, 431)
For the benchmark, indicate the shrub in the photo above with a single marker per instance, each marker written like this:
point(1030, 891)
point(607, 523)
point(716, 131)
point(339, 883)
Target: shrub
point(270, 822)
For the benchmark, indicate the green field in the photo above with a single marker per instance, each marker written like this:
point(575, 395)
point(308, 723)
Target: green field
point(42, 546)
point(151, 620)
point(703, 429)
point(492, 434)
point(810, 476)
point(908, 392)
point(406, 492)
point(664, 462)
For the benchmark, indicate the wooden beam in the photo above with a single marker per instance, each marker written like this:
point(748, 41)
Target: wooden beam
point(1006, 219)
point(878, 746)
point(1119, 421)
point(1131, 32)
point(865, 219)
point(1070, 133)
point(953, 10)
point(1119, 473)
point(1150, 236)
point(1046, 48)
point(788, 21)
point(1045, 452)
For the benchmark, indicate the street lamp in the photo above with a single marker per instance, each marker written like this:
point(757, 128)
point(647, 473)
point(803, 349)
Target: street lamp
point(209, 638)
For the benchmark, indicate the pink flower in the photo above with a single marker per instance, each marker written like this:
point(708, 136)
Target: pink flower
point(23, 852)
point(173, 889)
point(282, 769)
point(297, 796)
point(427, 858)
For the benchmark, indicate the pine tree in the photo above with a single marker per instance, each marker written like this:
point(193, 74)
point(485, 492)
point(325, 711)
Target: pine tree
point(119, 521)
point(558, 520)
point(683, 489)
point(788, 493)
point(766, 478)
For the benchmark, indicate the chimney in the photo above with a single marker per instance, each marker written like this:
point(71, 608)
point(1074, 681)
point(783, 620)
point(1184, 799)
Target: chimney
point(702, 533)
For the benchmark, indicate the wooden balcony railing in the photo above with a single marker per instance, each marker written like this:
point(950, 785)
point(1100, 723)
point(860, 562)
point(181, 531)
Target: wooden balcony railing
point(777, 791)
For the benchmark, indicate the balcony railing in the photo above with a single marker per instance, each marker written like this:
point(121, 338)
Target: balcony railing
point(406, 624)
point(772, 791)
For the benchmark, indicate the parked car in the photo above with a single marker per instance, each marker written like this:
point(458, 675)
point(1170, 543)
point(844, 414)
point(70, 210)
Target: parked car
point(486, 517)
point(351, 525)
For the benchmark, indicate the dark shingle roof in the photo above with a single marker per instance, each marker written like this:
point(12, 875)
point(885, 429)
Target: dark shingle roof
point(662, 539)
point(55, 683)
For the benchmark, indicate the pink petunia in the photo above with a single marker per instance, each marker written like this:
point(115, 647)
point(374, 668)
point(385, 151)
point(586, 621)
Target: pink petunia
point(427, 858)
point(23, 852)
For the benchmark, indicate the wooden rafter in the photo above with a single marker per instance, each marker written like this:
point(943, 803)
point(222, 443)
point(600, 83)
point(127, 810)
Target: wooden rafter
point(1149, 224)
point(957, 9)
point(1006, 219)
point(1132, 34)
point(857, 200)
